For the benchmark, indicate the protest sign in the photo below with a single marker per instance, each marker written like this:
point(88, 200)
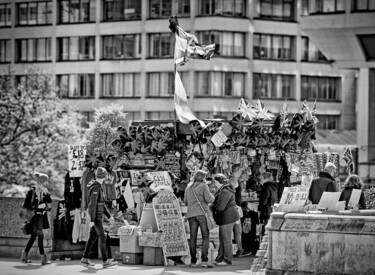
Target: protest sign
point(76, 158)
point(293, 198)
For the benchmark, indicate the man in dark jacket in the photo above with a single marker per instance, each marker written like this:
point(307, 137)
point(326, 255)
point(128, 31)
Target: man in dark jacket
point(97, 209)
point(267, 197)
point(325, 183)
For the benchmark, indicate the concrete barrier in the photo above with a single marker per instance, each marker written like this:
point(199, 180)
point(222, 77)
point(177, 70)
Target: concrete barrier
point(322, 243)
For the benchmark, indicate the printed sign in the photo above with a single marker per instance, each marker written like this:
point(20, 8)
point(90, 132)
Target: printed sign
point(76, 158)
point(219, 138)
point(161, 180)
point(172, 164)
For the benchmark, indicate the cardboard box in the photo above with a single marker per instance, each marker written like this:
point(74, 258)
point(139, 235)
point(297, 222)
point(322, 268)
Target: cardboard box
point(132, 258)
point(130, 243)
point(150, 239)
point(153, 256)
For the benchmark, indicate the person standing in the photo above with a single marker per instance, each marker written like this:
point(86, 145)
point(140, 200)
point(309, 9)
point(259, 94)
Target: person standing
point(97, 210)
point(324, 183)
point(226, 214)
point(267, 197)
point(353, 182)
point(37, 201)
point(197, 197)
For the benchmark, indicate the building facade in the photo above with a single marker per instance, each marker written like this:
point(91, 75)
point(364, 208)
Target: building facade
point(121, 51)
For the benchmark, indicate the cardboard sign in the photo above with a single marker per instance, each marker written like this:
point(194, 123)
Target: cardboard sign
point(293, 198)
point(76, 158)
point(329, 200)
point(355, 197)
point(219, 138)
point(161, 180)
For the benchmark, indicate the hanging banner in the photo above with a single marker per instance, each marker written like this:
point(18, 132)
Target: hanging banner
point(76, 158)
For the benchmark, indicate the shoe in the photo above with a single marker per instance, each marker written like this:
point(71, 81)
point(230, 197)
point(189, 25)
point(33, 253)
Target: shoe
point(45, 260)
point(245, 253)
point(224, 263)
point(87, 262)
point(24, 258)
point(206, 265)
point(239, 253)
point(194, 265)
point(109, 263)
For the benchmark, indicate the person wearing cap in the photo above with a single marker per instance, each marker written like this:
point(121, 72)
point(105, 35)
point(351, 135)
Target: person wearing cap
point(97, 210)
point(324, 183)
point(38, 202)
point(197, 197)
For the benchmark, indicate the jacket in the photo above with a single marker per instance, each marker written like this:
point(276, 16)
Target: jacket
point(267, 198)
point(224, 207)
point(72, 192)
point(203, 195)
point(40, 219)
point(325, 183)
point(96, 206)
point(347, 193)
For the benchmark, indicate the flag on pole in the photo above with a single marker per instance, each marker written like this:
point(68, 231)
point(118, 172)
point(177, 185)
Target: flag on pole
point(348, 158)
point(183, 112)
point(187, 45)
point(246, 110)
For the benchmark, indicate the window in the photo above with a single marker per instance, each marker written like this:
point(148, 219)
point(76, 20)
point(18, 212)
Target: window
point(5, 51)
point(226, 43)
point(220, 84)
point(161, 115)
point(77, 11)
point(33, 50)
point(233, 8)
point(119, 10)
point(281, 10)
point(161, 84)
point(120, 85)
point(132, 116)
point(273, 86)
point(270, 46)
point(121, 46)
point(320, 88)
point(76, 85)
point(367, 42)
point(166, 8)
point(5, 15)
point(363, 5)
point(328, 122)
point(322, 6)
point(87, 117)
point(161, 44)
point(310, 52)
point(34, 13)
point(76, 48)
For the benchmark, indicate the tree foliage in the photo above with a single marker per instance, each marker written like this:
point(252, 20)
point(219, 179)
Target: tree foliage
point(104, 129)
point(35, 129)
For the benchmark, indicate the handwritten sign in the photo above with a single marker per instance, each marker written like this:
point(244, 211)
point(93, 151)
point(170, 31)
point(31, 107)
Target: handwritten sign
point(161, 180)
point(76, 158)
point(293, 198)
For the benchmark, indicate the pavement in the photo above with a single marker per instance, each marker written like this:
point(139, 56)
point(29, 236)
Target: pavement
point(73, 267)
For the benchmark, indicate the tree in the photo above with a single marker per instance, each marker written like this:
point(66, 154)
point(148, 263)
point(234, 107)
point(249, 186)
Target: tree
point(35, 129)
point(104, 129)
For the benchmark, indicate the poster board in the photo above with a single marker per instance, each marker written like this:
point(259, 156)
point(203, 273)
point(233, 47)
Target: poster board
point(329, 200)
point(355, 197)
point(169, 220)
point(293, 198)
point(76, 158)
point(161, 180)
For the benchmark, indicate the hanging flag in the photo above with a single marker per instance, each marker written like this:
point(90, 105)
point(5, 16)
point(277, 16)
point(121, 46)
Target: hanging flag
point(263, 112)
point(184, 114)
point(247, 111)
point(348, 158)
point(187, 45)
point(284, 115)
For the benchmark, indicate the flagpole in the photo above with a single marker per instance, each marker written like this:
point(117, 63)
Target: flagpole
point(175, 115)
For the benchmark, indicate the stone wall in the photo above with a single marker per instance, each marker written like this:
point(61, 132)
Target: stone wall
point(320, 243)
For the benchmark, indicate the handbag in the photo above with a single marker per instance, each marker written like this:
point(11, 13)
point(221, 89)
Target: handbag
point(27, 228)
point(211, 224)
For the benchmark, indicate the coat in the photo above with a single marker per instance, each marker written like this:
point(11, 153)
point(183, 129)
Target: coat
point(224, 207)
point(96, 206)
point(267, 198)
point(203, 195)
point(325, 183)
point(347, 193)
point(40, 219)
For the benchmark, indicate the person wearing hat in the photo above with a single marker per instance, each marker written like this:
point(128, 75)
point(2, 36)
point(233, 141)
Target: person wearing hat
point(197, 197)
point(97, 210)
point(38, 202)
point(325, 183)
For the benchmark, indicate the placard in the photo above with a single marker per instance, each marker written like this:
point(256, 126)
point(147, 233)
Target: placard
point(329, 200)
point(355, 197)
point(161, 180)
point(76, 158)
point(169, 220)
point(172, 163)
point(293, 198)
point(219, 138)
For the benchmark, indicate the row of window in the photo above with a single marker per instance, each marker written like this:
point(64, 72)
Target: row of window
point(228, 44)
point(206, 84)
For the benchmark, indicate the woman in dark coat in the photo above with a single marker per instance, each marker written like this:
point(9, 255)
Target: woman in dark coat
point(38, 202)
point(226, 214)
point(353, 182)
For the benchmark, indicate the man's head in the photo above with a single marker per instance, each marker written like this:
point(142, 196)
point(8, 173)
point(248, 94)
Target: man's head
point(236, 170)
point(220, 179)
point(330, 168)
point(265, 177)
point(100, 174)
